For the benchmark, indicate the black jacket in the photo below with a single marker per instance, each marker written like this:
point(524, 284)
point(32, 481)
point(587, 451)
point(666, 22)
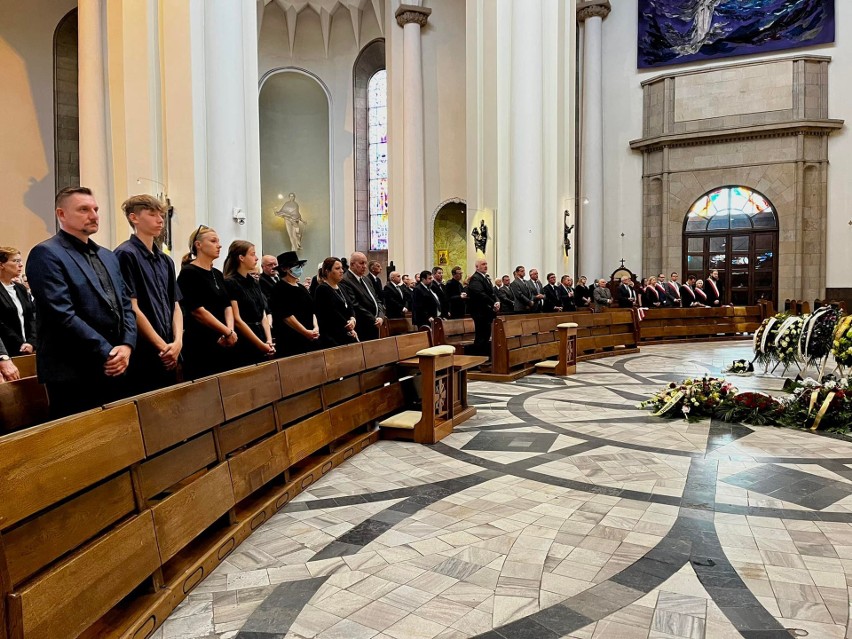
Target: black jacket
point(10, 325)
point(366, 308)
point(567, 298)
point(626, 296)
point(441, 292)
point(423, 306)
point(454, 289)
point(481, 297)
point(396, 299)
point(551, 298)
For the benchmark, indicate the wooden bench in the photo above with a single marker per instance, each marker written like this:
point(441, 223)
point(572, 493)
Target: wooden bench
point(458, 333)
point(671, 325)
point(26, 365)
point(23, 403)
point(109, 518)
point(520, 342)
point(400, 326)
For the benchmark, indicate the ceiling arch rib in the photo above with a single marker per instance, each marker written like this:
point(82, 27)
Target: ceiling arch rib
point(325, 9)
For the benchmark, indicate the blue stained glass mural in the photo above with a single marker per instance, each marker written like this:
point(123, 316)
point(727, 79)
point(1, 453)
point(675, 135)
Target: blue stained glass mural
point(377, 154)
point(679, 31)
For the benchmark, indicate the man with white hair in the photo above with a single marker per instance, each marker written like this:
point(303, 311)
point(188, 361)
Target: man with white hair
point(482, 304)
point(369, 311)
point(601, 296)
point(626, 293)
point(269, 277)
point(396, 296)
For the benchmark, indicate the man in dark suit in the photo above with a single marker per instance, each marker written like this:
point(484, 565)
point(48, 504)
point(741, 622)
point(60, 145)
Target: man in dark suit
point(424, 301)
point(86, 324)
point(523, 301)
point(626, 293)
point(712, 289)
point(440, 290)
point(505, 295)
point(17, 311)
point(673, 291)
point(551, 295)
point(483, 305)
point(269, 275)
point(687, 293)
point(455, 294)
point(396, 296)
point(567, 298)
point(369, 311)
point(661, 291)
point(535, 287)
point(375, 269)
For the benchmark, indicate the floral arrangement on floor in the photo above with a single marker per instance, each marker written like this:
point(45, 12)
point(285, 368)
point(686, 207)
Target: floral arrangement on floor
point(740, 368)
point(692, 398)
point(815, 405)
point(817, 336)
point(750, 408)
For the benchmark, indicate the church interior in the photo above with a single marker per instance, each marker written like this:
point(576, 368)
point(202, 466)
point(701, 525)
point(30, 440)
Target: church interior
point(425, 319)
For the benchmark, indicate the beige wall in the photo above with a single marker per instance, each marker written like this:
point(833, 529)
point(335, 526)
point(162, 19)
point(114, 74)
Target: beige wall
point(623, 105)
point(27, 176)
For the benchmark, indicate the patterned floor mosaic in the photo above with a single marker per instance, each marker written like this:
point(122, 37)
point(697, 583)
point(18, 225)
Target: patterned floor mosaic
point(560, 510)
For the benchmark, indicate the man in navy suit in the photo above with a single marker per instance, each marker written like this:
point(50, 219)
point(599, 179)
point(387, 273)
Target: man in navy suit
point(86, 327)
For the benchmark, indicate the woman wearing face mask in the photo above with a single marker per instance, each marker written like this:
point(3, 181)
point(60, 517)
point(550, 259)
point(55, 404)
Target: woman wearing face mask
point(296, 329)
point(251, 315)
point(208, 330)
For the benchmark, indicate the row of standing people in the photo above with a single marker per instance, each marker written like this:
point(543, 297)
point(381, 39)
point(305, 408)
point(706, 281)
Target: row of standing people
point(656, 292)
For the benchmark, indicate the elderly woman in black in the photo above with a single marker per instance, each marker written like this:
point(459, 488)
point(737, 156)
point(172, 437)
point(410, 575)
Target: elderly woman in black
point(208, 330)
point(251, 317)
point(17, 310)
point(334, 311)
point(296, 327)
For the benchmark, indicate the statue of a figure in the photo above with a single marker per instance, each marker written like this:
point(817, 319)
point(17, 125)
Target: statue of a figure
point(566, 238)
point(480, 236)
point(295, 224)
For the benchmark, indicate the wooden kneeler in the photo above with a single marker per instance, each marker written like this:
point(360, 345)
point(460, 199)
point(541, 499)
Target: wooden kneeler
point(567, 362)
point(435, 420)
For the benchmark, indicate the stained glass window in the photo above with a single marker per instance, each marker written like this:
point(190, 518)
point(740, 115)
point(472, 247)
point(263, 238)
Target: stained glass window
point(377, 154)
point(731, 207)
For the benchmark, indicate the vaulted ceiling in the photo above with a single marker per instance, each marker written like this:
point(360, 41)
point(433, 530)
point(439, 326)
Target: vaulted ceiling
point(326, 10)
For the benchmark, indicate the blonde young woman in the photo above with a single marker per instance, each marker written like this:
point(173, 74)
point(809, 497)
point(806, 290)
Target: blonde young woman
point(248, 303)
point(209, 335)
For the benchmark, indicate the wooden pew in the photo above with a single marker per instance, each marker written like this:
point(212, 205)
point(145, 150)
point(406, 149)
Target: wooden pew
point(108, 519)
point(671, 325)
point(458, 333)
point(520, 342)
point(23, 403)
point(26, 365)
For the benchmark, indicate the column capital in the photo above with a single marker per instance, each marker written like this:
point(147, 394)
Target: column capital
point(593, 9)
point(408, 13)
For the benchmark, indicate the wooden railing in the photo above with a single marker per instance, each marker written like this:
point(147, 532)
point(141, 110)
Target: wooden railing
point(667, 325)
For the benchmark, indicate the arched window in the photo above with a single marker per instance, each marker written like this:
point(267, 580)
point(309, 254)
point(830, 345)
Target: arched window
point(369, 80)
point(377, 153)
point(733, 230)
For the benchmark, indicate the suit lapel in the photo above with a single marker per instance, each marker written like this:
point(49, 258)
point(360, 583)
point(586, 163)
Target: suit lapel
point(88, 271)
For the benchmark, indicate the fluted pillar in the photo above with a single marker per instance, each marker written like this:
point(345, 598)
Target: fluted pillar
point(527, 136)
point(591, 222)
point(413, 255)
point(232, 121)
point(94, 146)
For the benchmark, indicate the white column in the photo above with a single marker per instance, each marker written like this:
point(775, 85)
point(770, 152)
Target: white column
point(231, 98)
point(413, 255)
point(526, 138)
point(591, 222)
point(94, 147)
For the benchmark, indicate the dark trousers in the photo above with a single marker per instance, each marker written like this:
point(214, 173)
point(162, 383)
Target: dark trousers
point(84, 393)
point(482, 334)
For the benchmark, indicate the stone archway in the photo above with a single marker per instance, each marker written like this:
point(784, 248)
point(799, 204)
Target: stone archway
point(449, 234)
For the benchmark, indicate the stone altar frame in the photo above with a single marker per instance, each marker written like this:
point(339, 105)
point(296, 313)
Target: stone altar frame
point(702, 130)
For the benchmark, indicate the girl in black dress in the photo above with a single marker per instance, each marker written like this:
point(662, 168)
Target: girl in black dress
point(334, 311)
point(296, 327)
point(251, 315)
point(209, 336)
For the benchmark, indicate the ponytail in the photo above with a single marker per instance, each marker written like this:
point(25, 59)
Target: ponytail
point(200, 232)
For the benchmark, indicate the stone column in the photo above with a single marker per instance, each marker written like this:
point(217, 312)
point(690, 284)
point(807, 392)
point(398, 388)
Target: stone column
point(94, 146)
point(527, 136)
point(413, 213)
point(592, 14)
point(231, 99)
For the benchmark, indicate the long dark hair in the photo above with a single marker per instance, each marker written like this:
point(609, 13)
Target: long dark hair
point(237, 249)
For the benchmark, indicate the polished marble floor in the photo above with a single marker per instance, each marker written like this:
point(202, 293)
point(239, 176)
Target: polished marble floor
point(560, 510)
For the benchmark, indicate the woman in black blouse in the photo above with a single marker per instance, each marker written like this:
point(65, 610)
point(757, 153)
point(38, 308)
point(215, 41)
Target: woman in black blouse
point(334, 311)
point(209, 336)
point(251, 315)
point(296, 328)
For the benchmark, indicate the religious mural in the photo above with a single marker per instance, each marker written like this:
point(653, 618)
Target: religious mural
point(679, 31)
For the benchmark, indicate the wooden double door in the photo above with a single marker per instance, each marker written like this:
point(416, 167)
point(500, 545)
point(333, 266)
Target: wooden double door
point(747, 262)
